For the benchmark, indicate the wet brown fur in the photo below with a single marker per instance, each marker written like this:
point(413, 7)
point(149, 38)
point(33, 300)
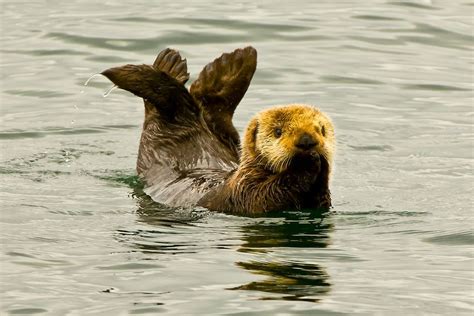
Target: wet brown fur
point(190, 151)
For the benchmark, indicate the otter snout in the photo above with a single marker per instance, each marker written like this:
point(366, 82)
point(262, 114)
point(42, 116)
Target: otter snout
point(306, 142)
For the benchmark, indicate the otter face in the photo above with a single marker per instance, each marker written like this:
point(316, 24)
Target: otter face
point(281, 136)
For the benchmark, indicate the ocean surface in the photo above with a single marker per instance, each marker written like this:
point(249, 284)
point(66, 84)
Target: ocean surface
point(79, 236)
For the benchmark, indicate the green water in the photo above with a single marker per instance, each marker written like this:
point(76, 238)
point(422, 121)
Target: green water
point(79, 237)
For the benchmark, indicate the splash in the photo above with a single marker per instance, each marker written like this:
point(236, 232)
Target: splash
point(106, 94)
point(90, 78)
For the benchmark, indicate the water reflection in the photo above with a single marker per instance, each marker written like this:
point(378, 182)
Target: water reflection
point(287, 229)
point(294, 281)
point(156, 214)
point(290, 279)
point(170, 231)
point(160, 229)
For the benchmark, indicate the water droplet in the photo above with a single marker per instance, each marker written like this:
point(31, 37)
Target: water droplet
point(90, 78)
point(106, 94)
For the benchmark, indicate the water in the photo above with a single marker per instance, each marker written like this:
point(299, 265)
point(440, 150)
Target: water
point(80, 238)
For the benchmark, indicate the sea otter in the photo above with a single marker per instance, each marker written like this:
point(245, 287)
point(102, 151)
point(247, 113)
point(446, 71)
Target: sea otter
point(190, 152)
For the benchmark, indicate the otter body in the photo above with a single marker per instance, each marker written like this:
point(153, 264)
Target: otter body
point(190, 153)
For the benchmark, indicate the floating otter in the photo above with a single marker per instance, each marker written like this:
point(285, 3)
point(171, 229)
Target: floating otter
point(190, 152)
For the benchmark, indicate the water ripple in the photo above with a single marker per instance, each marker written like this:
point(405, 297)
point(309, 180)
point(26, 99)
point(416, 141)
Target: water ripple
point(46, 52)
point(414, 5)
point(454, 239)
point(350, 80)
point(42, 94)
point(130, 266)
point(181, 37)
point(376, 18)
point(219, 23)
point(434, 36)
point(27, 311)
point(18, 134)
point(433, 87)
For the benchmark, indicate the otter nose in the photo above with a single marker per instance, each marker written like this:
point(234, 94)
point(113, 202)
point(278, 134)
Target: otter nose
point(306, 142)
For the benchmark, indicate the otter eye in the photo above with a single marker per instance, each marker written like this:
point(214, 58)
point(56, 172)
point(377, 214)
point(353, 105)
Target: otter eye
point(277, 132)
point(323, 130)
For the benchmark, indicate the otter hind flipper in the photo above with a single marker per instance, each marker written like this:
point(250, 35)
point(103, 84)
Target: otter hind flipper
point(171, 62)
point(220, 87)
point(222, 83)
point(156, 87)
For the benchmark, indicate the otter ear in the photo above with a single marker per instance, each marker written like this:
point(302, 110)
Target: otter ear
point(250, 137)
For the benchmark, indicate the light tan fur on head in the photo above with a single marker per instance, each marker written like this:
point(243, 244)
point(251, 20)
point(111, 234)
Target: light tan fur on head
point(271, 135)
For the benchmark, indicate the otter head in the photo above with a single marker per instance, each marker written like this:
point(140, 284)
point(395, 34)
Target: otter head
point(290, 136)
